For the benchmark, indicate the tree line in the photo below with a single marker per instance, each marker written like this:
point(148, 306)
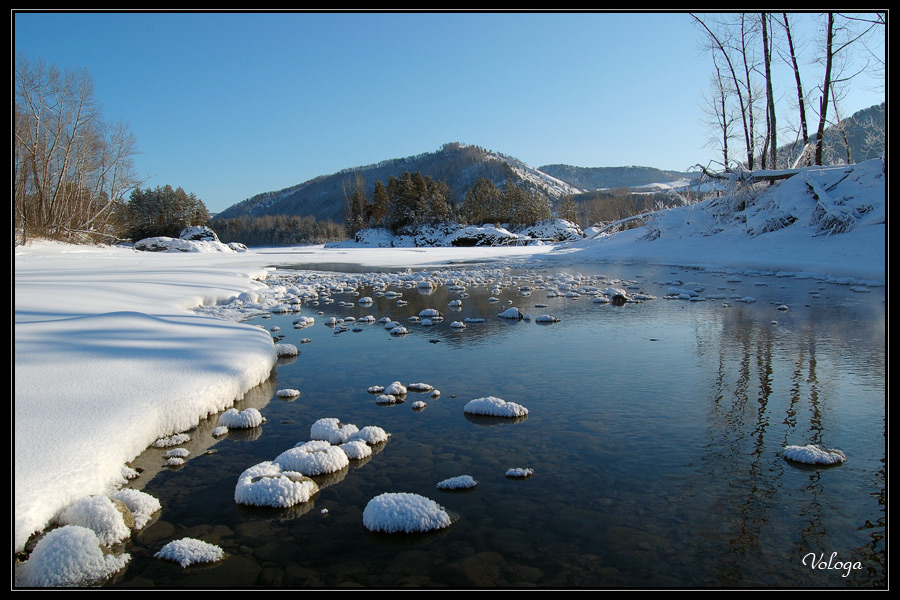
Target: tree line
point(413, 199)
point(277, 230)
point(748, 49)
point(71, 169)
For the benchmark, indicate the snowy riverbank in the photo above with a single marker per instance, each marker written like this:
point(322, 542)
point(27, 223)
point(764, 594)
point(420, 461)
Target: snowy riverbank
point(109, 356)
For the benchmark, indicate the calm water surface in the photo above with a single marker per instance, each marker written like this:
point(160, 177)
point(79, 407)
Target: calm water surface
point(655, 432)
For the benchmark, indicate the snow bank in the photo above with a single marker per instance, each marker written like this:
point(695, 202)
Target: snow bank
point(404, 513)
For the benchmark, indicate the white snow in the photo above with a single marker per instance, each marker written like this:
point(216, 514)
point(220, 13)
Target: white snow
point(109, 355)
point(267, 484)
point(814, 455)
point(188, 551)
point(316, 457)
point(460, 482)
point(519, 472)
point(404, 513)
point(332, 430)
point(141, 504)
point(100, 515)
point(494, 407)
point(234, 419)
point(69, 556)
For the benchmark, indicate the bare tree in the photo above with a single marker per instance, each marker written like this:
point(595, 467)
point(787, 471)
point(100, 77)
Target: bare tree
point(70, 168)
point(842, 34)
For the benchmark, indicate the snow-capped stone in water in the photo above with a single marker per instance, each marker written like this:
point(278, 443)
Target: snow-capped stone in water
point(457, 483)
point(219, 431)
point(175, 461)
point(304, 322)
point(332, 431)
point(814, 455)
point(371, 434)
point(435, 393)
point(376, 389)
point(429, 313)
point(287, 393)
point(365, 301)
point(419, 404)
point(286, 350)
point(267, 484)
point(108, 518)
point(69, 556)
point(546, 319)
point(399, 330)
point(455, 303)
point(388, 399)
point(395, 389)
point(519, 473)
point(188, 551)
point(233, 419)
point(781, 307)
point(356, 449)
point(172, 440)
point(141, 504)
point(511, 313)
point(316, 457)
point(420, 387)
point(177, 453)
point(458, 325)
point(404, 513)
point(495, 407)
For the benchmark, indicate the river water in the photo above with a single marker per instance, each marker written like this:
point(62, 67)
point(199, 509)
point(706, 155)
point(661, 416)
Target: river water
point(655, 434)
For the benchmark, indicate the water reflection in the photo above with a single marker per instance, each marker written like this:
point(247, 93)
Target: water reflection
point(654, 431)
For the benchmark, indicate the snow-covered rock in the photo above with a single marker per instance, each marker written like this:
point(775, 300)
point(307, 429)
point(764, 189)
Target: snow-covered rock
point(395, 389)
point(356, 449)
point(287, 393)
point(494, 407)
point(245, 419)
point(316, 457)
point(371, 434)
point(519, 473)
point(512, 313)
point(141, 504)
point(188, 551)
point(267, 484)
point(109, 519)
point(286, 350)
point(814, 455)
point(457, 483)
point(332, 430)
point(70, 556)
point(404, 513)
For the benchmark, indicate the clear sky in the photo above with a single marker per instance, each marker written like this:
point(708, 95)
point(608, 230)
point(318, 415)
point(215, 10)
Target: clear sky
point(229, 105)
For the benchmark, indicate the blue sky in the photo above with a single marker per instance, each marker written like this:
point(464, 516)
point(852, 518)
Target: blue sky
point(231, 105)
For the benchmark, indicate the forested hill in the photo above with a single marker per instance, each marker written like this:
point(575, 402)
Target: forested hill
point(457, 165)
point(598, 178)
